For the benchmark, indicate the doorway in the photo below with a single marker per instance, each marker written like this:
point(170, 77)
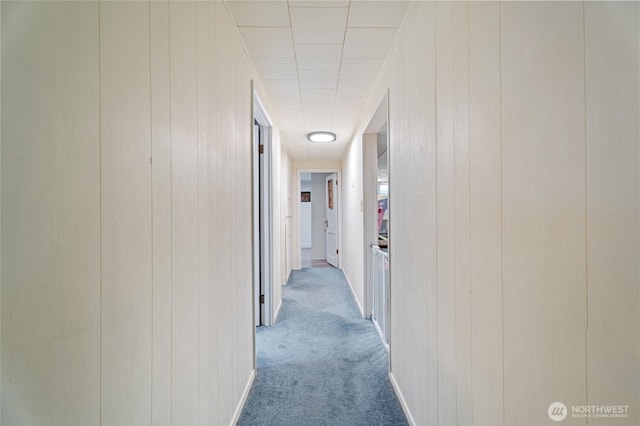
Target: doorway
point(376, 213)
point(318, 219)
point(262, 230)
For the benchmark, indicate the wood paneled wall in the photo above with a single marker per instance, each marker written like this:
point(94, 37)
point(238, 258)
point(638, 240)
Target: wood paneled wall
point(514, 168)
point(126, 180)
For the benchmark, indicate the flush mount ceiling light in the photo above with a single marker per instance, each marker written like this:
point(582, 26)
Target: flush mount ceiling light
point(321, 137)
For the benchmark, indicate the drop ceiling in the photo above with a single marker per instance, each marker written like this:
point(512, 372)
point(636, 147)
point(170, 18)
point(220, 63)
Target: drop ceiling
point(318, 61)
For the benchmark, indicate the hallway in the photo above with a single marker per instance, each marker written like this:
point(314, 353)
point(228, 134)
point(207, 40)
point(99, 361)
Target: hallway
point(129, 235)
point(321, 363)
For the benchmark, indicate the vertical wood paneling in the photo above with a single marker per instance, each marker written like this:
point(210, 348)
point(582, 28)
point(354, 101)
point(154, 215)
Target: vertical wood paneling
point(244, 307)
point(412, 232)
point(215, 218)
point(223, 235)
point(205, 37)
point(445, 234)
point(184, 161)
point(485, 212)
point(399, 275)
point(426, 295)
point(524, 199)
point(114, 115)
point(351, 192)
point(51, 214)
point(612, 93)
point(161, 193)
point(462, 213)
point(0, 218)
point(543, 145)
point(126, 213)
point(235, 171)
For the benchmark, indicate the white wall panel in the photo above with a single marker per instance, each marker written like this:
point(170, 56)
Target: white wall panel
point(51, 217)
point(216, 215)
point(243, 309)
point(485, 204)
point(397, 154)
point(462, 212)
point(445, 235)
point(352, 262)
point(286, 213)
point(543, 193)
point(126, 213)
point(205, 102)
point(161, 194)
point(0, 220)
point(243, 144)
point(234, 177)
point(223, 225)
point(184, 179)
point(412, 163)
point(612, 206)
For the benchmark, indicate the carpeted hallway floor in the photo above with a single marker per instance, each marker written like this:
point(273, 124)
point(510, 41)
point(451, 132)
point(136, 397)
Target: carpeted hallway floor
point(321, 363)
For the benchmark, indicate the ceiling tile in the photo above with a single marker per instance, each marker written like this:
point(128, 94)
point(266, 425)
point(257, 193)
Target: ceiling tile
point(287, 102)
point(260, 13)
point(325, 110)
point(318, 122)
point(318, 79)
point(351, 103)
point(318, 56)
point(325, 96)
point(368, 42)
point(356, 88)
point(276, 68)
point(268, 42)
point(360, 68)
point(292, 121)
point(277, 88)
point(343, 119)
point(319, 26)
point(378, 14)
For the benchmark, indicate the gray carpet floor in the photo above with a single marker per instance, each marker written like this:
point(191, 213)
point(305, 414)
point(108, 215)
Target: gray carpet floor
point(321, 363)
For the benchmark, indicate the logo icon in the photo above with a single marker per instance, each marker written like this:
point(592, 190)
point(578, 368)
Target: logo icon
point(557, 411)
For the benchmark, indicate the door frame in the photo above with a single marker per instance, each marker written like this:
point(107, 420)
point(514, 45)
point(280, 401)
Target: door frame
point(261, 212)
point(297, 261)
point(378, 121)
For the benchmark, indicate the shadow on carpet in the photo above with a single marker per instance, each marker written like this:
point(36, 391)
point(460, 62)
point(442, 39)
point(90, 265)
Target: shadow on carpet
point(321, 363)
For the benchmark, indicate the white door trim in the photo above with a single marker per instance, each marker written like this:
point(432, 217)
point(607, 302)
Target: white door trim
point(263, 218)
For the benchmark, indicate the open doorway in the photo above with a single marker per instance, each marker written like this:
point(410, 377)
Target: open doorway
point(318, 219)
point(262, 229)
point(376, 213)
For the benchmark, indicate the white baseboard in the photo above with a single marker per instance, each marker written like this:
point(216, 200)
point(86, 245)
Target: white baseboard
point(243, 399)
point(353, 292)
point(403, 402)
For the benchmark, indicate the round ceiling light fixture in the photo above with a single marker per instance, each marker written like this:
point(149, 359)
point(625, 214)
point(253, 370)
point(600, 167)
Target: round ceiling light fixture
point(321, 137)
